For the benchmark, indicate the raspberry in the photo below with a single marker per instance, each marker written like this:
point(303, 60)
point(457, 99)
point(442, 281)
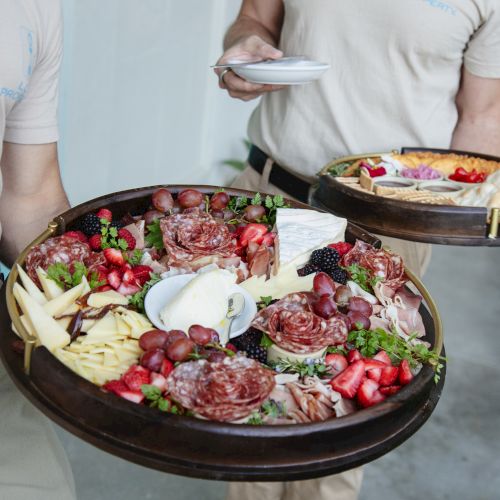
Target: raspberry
point(90, 224)
point(95, 241)
point(342, 247)
point(308, 269)
point(127, 236)
point(105, 213)
point(325, 258)
point(77, 235)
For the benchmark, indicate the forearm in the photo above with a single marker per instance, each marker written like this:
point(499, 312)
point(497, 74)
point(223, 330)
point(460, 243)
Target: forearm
point(479, 134)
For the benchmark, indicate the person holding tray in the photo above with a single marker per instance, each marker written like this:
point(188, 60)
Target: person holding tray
point(416, 73)
point(33, 465)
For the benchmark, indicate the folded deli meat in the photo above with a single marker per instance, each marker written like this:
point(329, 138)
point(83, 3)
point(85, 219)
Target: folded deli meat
point(264, 313)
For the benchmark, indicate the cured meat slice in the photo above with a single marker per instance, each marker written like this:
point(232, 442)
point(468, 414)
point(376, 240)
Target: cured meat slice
point(56, 249)
point(223, 391)
point(292, 324)
point(193, 236)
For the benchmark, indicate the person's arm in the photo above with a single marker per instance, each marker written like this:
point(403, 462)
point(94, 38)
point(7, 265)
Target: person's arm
point(253, 36)
point(478, 104)
point(32, 194)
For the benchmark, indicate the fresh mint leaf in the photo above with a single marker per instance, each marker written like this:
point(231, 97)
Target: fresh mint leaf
point(94, 282)
point(154, 238)
point(79, 271)
point(266, 300)
point(164, 404)
point(265, 341)
point(59, 273)
point(151, 392)
point(135, 258)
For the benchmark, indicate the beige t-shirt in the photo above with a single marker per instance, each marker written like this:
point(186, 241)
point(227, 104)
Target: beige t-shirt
point(395, 71)
point(30, 56)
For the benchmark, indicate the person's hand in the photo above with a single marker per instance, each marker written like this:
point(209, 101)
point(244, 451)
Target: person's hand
point(251, 48)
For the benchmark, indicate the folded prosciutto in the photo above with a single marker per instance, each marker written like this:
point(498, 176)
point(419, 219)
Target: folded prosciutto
point(292, 325)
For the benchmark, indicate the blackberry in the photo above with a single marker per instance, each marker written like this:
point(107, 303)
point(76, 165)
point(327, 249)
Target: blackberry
point(257, 352)
point(308, 269)
point(116, 223)
point(250, 338)
point(325, 258)
point(338, 275)
point(90, 224)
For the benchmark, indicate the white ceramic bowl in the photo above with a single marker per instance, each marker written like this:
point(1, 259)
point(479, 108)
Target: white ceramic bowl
point(282, 72)
point(166, 289)
point(395, 182)
point(443, 187)
point(465, 185)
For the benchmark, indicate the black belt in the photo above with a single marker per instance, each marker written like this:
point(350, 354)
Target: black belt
point(281, 178)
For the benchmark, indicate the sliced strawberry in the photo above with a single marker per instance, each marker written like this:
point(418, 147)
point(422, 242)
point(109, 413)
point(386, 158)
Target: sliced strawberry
point(166, 367)
point(405, 374)
point(103, 288)
point(337, 363)
point(128, 277)
point(105, 213)
point(353, 356)
point(268, 239)
point(253, 232)
point(383, 357)
point(374, 374)
point(128, 289)
point(115, 385)
point(390, 390)
point(348, 381)
point(114, 257)
point(114, 279)
point(95, 242)
point(136, 376)
point(142, 274)
point(388, 376)
point(368, 393)
point(77, 235)
point(371, 363)
point(158, 380)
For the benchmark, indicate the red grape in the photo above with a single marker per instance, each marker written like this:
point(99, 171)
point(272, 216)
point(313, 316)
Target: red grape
point(219, 201)
point(254, 213)
point(180, 349)
point(152, 359)
point(153, 339)
point(361, 305)
point(228, 214)
point(217, 214)
point(342, 295)
point(358, 321)
point(216, 356)
point(151, 215)
point(201, 335)
point(325, 307)
point(174, 335)
point(162, 200)
point(323, 284)
point(190, 198)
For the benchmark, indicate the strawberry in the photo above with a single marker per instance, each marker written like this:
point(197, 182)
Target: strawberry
point(342, 247)
point(95, 241)
point(119, 388)
point(388, 376)
point(383, 357)
point(136, 376)
point(166, 367)
point(368, 394)
point(103, 288)
point(114, 279)
point(390, 390)
point(252, 232)
point(371, 363)
point(105, 213)
point(348, 381)
point(158, 380)
point(353, 355)
point(337, 363)
point(374, 374)
point(126, 235)
point(128, 289)
point(405, 374)
point(114, 257)
point(128, 277)
point(77, 235)
point(268, 239)
point(142, 274)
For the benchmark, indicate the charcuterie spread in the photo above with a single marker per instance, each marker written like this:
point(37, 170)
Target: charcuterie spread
point(424, 177)
point(265, 315)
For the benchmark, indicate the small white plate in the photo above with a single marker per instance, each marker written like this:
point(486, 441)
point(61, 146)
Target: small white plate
point(165, 290)
point(285, 71)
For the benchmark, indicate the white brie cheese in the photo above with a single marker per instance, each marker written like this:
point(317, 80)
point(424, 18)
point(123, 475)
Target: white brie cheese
point(300, 231)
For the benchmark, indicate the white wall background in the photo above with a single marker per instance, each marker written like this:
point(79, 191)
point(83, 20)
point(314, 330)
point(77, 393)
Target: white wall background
point(139, 105)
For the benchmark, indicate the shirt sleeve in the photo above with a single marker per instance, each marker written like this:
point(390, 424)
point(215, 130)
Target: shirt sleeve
point(482, 57)
point(33, 120)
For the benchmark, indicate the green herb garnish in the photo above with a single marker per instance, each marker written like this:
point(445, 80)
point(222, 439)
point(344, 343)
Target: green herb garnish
point(265, 341)
point(154, 238)
point(274, 409)
point(135, 258)
point(137, 299)
point(110, 237)
point(156, 400)
point(61, 274)
point(362, 277)
point(255, 419)
point(339, 169)
point(309, 367)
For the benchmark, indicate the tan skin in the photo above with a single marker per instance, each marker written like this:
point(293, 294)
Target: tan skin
point(255, 35)
point(32, 194)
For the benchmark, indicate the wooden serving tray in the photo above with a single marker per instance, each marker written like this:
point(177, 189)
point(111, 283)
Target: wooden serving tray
point(423, 222)
point(202, 448)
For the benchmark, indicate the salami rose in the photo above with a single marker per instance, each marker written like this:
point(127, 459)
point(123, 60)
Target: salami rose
point(53, 250)
point(193, 236)
point(292, 324)
point(227, 390)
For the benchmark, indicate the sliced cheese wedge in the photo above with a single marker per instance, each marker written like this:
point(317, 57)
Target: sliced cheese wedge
point(101, 299)
point(30, 286)
point(275, 353)
point(50, 287)
point(61, 303)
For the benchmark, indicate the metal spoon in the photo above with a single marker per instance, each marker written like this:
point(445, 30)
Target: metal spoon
point(235, 306)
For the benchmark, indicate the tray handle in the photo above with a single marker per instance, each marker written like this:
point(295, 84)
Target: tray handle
point(494, 223)
point(29, 341)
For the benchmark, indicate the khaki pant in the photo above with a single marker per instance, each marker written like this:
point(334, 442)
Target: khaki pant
point(33, 464)
point(344, 486)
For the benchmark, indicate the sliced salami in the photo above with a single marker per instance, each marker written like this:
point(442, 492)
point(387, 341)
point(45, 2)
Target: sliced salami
point(223, 391)
point(54, 250)
point(292, 324)
point(196, 238)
